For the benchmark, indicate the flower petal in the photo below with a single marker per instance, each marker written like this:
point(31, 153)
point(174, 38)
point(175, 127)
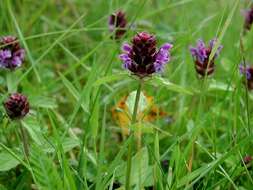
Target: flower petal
point(126, 47)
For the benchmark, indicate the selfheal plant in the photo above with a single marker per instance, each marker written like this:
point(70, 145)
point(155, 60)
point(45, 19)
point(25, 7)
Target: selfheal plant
point(201, 54)
point(142, 58)
point(16, 106)
point(117, 24)
point(248, 18)
point(11, 54)
point(248, 72)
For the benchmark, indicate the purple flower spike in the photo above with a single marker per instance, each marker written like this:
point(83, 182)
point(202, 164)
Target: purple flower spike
point(248, 72)
point(248, 19)
point(142, 57)
point(201, 55)
point(11, 54)
point(117, 24)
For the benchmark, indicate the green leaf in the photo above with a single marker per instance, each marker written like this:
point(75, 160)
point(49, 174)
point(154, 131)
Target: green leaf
point(67, 144)
point(110, 78)
point(34, 130)
point(170, 86)
point(141, 170)
point(143, 103)
point(94, 119)
point(43, 102)
point(219, 86)
point(11, 82)
point(45, 170)
point(15, 156)
point(144, 127)
point(196, 173)
point(147, 128)
point(7, 161)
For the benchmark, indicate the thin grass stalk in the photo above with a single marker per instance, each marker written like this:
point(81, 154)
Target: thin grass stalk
point(246, 86)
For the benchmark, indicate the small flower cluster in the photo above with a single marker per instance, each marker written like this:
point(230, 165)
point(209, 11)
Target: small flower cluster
point(248, 19)
point(11, 54)
point(117, 24)
point(248, 72)
point(201, 54)
point(142, 57)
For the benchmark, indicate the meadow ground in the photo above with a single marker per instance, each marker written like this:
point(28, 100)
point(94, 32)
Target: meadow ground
point(186, 131)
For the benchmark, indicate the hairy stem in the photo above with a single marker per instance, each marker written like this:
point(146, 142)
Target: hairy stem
point(130, 147)
point(24, 140)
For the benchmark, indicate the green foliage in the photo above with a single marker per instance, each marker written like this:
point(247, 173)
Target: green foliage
point(45, 170)
point(7, 161)
point(141, 170)
point(74, 79)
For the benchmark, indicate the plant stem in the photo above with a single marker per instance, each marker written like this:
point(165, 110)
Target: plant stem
point(246, 86)
point(130, 147)
point(24, 140)
point(137, 99)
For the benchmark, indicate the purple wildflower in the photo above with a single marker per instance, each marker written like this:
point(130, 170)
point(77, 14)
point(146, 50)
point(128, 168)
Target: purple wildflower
point(247, 159)
point(201, 55)
point(17, 106)
point(248, 18)
point(165, 165)
point(142, 57)
point(11, 54)
point(117, 24)
point(248, 72)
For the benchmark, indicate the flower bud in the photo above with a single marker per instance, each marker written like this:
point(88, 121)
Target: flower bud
point(17, 106)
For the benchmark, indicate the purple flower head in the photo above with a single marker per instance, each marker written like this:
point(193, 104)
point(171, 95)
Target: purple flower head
point(11, 54)
point(17, 106)
point(248, 72)
point(201, 54)
point(247, 159)
point(142, 57)
point(117, 24)
point(248, 18)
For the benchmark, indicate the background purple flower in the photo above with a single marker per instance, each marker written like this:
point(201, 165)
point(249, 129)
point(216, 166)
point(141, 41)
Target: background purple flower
point(142, 57)
point(11, 54)
point(248, 18)
point(248, 71)
point(201, 54)
point(117, 24)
